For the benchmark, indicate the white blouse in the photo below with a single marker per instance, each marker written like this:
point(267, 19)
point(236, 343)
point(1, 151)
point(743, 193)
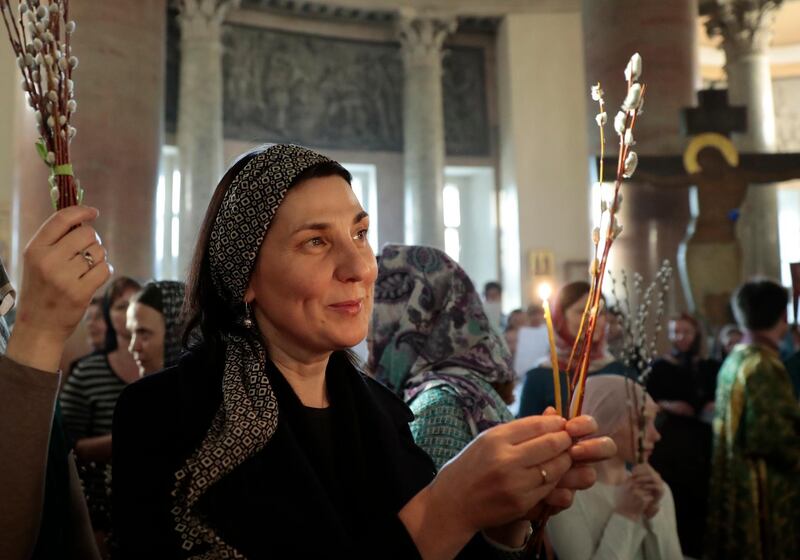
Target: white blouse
point(591, 530)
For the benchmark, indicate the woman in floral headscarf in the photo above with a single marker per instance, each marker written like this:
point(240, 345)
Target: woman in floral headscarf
point(538, 392)
point(432, 344)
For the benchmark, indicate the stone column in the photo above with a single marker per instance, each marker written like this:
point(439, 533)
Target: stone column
point(746, 30)
point(421, 37)
point(664, 32)
point(200, 133)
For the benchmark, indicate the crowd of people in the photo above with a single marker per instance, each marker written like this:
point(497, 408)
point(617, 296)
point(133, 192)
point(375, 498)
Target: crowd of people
point(226, 417)
point(684, 385)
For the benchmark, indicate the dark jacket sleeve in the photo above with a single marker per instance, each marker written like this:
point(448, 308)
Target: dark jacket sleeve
point(143, 457)
point(538, 392)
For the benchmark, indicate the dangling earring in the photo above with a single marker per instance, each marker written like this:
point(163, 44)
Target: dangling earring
point(247, 322)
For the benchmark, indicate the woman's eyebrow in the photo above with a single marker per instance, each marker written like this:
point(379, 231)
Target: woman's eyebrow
point(320, 226)
point(314, 226)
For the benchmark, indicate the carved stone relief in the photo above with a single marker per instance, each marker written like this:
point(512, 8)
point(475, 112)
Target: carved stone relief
point(288, 87)
point(333, 93)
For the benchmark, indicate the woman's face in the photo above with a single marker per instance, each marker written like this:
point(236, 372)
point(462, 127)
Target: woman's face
point(311, 290)
point(573, 315)
point(682, 335)
point(95, 326)
point(626, 436)
point(118, 313)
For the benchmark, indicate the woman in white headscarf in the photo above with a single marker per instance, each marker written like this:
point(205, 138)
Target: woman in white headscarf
point(629, 513)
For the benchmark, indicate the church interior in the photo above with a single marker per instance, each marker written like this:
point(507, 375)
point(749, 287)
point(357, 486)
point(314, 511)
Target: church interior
point(469, 127)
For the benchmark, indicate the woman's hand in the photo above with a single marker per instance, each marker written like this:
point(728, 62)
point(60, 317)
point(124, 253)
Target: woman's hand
point(587, 451)
point(64, 264)
point(632, 500)
point(648, 479)
point(497, 479)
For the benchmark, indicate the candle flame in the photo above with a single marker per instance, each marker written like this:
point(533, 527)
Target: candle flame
point(545, 291)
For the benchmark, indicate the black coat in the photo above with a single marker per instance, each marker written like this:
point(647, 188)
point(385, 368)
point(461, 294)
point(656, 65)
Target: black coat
point(274, 504)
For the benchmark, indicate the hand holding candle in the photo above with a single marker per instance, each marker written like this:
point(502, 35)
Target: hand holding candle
point(545, 291)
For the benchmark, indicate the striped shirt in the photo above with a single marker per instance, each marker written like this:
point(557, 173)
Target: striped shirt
point(89, 396)
point(88, 399)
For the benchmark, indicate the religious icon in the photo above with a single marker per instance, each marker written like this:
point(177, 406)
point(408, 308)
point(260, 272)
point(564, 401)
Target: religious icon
point(541, 263)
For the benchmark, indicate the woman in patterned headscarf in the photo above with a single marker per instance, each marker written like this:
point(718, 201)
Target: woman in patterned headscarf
point(154, 321)
point(265, 441)
point(432, 344)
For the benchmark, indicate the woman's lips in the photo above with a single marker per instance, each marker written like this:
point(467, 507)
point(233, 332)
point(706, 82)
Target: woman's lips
point(352, 307)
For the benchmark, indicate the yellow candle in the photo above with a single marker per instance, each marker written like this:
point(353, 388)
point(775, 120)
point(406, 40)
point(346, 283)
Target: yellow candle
point(544, 293)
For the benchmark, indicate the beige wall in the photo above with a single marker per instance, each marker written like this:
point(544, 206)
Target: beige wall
point(9, 101)
point(543, 150)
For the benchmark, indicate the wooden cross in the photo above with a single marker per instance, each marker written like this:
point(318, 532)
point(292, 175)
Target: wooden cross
point(710, 258)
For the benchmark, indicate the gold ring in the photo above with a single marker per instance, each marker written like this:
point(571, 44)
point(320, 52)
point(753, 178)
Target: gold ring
point(544, 475)
point(87, 256)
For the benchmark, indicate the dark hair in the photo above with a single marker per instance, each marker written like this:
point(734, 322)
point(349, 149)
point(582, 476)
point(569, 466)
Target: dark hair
point(210, 317)
point(117, 287)
point(759, 304)
point(570, 293)
point(150, 296)
point(492, 286)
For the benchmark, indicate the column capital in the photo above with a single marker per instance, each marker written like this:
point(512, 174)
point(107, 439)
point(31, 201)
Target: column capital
point(744, 25)
point(422, 34)
point(203, 18)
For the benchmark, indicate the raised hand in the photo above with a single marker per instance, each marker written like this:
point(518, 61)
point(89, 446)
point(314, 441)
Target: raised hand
point(64, 264)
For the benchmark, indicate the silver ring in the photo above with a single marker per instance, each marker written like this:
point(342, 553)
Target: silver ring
point(87, 256)
point(544, 475)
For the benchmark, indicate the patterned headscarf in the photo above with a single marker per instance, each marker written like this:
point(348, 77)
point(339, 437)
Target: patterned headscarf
point(429, 327)
point(248, 415)
point(166, 297)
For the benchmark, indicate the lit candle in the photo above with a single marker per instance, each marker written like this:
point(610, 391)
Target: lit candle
point(545, 291)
